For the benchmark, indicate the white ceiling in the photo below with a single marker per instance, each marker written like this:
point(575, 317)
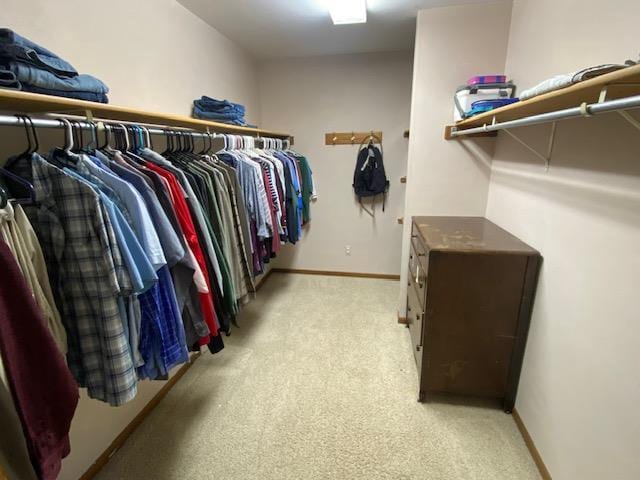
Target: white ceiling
point(297, 28)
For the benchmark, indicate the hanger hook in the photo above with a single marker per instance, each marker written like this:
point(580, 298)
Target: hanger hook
point(23, 118)
point(126, 136)
point(68, 140)
point(36, 140)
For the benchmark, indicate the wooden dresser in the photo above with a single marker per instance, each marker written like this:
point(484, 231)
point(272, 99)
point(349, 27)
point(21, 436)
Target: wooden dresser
point(470, 293)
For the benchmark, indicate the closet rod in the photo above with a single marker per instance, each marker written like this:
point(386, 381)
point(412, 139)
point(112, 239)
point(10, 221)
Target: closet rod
point(585, 110)
point(13, 121)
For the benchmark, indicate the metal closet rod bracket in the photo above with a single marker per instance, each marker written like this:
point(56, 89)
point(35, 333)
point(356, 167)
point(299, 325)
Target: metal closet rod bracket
point(584, 110)
point(545, 158)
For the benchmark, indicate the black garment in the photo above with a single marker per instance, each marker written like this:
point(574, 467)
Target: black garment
point(291, 207)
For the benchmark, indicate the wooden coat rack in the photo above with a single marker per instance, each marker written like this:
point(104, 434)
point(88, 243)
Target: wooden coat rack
point(349, 138)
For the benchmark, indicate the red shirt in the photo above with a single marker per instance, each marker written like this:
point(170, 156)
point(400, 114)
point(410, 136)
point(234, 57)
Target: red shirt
point(186, 222)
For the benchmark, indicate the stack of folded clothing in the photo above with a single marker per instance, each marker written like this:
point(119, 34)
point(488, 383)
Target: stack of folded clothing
point(219, 111)
point(27, 66)
point(565, 80)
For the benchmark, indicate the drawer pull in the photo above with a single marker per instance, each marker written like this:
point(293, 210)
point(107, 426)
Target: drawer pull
point(422, 254)
point(417, 348)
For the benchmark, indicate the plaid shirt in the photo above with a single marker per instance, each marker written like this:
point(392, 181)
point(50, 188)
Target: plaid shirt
point(162, 337)
point(78, 242)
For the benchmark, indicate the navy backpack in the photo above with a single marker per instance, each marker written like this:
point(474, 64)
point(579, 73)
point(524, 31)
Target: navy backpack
point(369, 178)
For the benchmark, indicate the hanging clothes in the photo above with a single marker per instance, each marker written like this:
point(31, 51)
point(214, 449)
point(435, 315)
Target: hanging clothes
point(136, 258)
point(44, 392)
point(19, 236)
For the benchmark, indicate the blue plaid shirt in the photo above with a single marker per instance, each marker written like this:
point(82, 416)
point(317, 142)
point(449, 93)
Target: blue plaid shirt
point(77, 240)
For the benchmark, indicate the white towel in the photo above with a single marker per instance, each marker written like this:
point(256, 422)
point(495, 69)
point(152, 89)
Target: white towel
point(561, 81)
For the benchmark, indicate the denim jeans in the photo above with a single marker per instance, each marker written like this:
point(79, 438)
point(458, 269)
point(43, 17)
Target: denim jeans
point(236, 120)
point(9, 80)
point(30, 75)
point(208, 116)
point(219, 106)
point(14, 47)
point(216, 115)
point(80, 95)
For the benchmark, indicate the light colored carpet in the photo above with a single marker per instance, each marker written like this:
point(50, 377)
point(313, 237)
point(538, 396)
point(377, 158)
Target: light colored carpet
point(319, 383)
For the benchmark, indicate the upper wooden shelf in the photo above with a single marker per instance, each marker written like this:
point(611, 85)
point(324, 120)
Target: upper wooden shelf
point(619, 84)
point(15, 101)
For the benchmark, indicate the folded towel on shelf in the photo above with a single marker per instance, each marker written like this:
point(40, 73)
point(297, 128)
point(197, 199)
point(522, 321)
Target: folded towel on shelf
point(27, 66)
point(562, 81)
point(219, 111)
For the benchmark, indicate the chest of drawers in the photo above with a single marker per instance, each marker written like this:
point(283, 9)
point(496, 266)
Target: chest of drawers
point(470, 292)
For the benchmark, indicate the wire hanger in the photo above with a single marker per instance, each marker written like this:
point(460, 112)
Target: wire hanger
point(18, 187)
point(107, 135)
point(125, 134)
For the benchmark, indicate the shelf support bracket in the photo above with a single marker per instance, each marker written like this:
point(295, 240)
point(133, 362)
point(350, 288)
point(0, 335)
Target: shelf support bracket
point(545, 158)
point(603, 94)
point(627, 116)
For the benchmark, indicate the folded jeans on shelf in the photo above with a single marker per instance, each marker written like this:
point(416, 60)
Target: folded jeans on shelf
point(222, 106)
point(223, 113)
point(217, 116)
point(28, 74)
point(232, 121)
point(15, 47)
point(77, 94)
point(9, 80)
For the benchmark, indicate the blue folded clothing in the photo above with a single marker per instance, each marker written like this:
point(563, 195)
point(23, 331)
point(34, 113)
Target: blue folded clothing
point(25, 65)
point(215, 115)
point(30, 75)
point(212, 117)
point(77, 94)
point(219, 111)
point(209, 104)
point(14, 47)
point(9, 80)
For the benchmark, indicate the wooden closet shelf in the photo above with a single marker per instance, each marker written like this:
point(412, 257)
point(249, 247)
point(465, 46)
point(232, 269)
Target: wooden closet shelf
point(620, 84)
point(32, 103)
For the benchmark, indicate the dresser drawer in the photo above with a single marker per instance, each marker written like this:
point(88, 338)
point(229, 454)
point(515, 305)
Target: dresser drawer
point(415, 316)
point(420, 249)
point(417, 275)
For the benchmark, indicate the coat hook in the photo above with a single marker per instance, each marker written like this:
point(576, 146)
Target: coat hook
point(353, 138)
point(335, 138)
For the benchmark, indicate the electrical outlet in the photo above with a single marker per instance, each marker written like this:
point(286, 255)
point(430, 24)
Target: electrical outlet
point(347, 250)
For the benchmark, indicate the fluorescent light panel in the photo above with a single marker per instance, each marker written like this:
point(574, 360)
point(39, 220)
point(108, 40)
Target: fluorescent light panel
point(348, 11)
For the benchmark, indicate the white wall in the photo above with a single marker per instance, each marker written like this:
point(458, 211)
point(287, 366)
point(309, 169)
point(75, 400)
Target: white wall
point(580, 385)
point(449, 178)
point(154, 55)
point(344, 93)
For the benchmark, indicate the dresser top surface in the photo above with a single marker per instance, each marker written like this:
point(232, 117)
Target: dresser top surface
point(468, 234)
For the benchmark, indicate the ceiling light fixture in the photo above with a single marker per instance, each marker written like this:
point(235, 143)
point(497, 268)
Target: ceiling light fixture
point(348, 11)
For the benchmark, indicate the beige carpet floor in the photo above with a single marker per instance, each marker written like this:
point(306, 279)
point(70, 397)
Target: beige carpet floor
point(319, 383)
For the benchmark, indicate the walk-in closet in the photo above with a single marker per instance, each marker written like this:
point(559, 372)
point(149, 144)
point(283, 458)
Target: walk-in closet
point(319, 239)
